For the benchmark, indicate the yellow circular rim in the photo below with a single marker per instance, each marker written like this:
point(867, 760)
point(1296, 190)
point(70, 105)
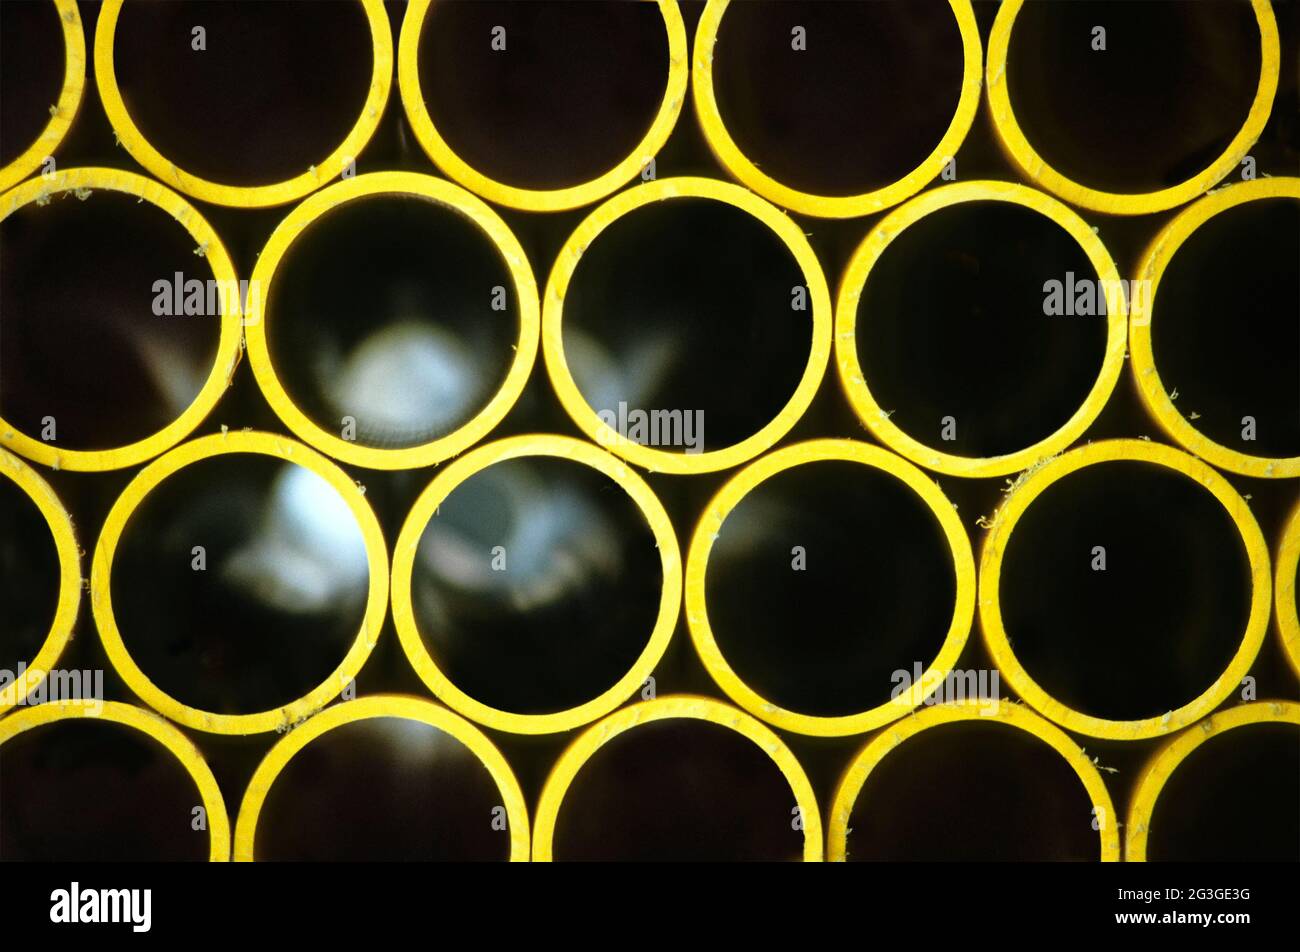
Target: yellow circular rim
point(442, 194)
point(736, 163)
point(1152, 390)
point(1033, 166)
point(158, 729)
point(557, 287)
point(229, 343)
point(585, 745)
point(1158, 770)
point(1012, 715)
point(999, 642)
point(238, 196)
point(206, 447)
point(367, 708)
point(710, 525)
point(69, 598)
point(426, 507)
point(1288, 619)
point(858, 272)
point(529, 199)
point(65, 110)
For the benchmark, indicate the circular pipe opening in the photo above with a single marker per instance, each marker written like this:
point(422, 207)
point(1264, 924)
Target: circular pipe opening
point(972, 782)
point(383, 778)
point(394, 320)
point(43, 57)
point(542, 106)
point(1186, 89)
point(548, 551)
point(980, 327)
point(1223, 792)
point(117, 339)
point(299, 87)
point(119, 785)
point(798, 612)
point(795, 98)
point(1087, 598)
point(1226, 348)
point(240, 583)
point(686, 325)
point(1285, 588)
point(681, 779)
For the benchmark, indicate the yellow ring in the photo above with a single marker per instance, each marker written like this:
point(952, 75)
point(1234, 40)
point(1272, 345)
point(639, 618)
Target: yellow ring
point(239, 196)
point(878, 421)
point(229, 346)
point(1013, 715)
point(1158, 770)
point(710, 524)
point(366, 708)
point(155, 727)
point(529, 199)
point(687, 706)
point(1033, 167)
point(65, 545)
point(206, 447)
point(1004, 523)
point(832, 206)
point(440, 193)
point(74, 82)
point(1288, 620)
point(1154, 396)
point(426, 506)
point(557, 367)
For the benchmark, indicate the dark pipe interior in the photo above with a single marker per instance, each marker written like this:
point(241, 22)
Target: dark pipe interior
point(277, 89)
point(826, 119)
point(89, 790)
point(973, 791)
point(572, 94)
point(678, 790)
point(1224, 329)
point(32, 63)
point(687, 305)
point(874, 597)
point(29, 577)
point(1160, 624)
point(279, 603)
point(1233, 799)
point(571, 601)
point(951, 323)
point(80, 341)
point(384, 789)
point(1158, 105)
point(382, 311)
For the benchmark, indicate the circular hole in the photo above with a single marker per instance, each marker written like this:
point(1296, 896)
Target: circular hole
point(824, 119)
point(971, 791)
point(279, 598)
point(83, 345)
point(1175, 83)
point(382, 789)
point(872, 594)
point(1230, 346)
point(276, 89)
point(1232, 799)
point(382, 311)
point(572, 93)
point(29, 577)
point(952, 323)
point(678, 789)
point(32, 64)
point(83, 789)
point(543, 561)
point(686, 305)
point(1159, 624)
